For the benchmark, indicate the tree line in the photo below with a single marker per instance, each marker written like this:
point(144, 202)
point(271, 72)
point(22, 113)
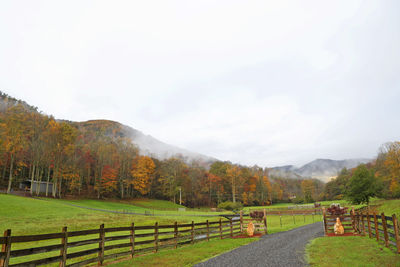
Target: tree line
point(96, 159)
point(380, 178)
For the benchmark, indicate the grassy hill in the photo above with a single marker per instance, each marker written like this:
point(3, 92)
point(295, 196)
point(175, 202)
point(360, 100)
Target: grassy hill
point(31, 216)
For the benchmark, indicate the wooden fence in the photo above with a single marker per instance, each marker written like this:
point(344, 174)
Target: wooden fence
point(384, 228)
point(362, 221)
point(314, 211)
point(260, 226)
point(330, 220)
point(79, 248)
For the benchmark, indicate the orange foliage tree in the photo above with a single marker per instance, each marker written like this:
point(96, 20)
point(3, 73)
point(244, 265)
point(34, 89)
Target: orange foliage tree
point(142, 172)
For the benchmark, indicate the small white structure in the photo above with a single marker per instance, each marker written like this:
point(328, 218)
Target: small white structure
point(42, 186)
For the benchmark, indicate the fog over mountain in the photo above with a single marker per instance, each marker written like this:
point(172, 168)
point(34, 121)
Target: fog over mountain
point(322, 169)
point(150, 146)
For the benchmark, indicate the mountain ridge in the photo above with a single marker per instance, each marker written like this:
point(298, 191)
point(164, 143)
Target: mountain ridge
point(322, 169)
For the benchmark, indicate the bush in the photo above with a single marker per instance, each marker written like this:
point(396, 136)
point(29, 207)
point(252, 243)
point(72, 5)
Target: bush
point(257, 215)
point(228, 205)
point(335, 209)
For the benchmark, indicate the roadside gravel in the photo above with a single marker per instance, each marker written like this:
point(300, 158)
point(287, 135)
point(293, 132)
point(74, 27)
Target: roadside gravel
point(279, 249)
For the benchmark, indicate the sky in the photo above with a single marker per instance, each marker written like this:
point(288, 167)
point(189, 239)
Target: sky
point(254, 82)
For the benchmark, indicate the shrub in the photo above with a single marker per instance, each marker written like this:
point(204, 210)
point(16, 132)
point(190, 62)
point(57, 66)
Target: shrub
point(228, 205)
point(335, 209)
point(257, 215)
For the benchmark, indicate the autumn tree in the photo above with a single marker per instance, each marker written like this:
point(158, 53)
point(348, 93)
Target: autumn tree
point(15, 137)
point(308, 189)
point(233, 173)
point(392, 163)
point(172, 173)
point(108, 181)
point(142, 172)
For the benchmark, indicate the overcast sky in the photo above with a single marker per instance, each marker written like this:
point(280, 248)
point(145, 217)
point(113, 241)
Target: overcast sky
point(253, 82)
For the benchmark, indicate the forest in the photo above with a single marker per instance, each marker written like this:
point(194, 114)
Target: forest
point(94, 159)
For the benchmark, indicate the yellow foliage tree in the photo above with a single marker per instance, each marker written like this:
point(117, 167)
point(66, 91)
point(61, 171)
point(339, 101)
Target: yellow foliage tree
point(142, 171)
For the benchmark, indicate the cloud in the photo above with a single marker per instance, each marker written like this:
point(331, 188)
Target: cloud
point(266, 82)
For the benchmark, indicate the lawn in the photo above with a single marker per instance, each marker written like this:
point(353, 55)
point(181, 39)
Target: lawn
point(37, 216)
point(25, 216)
point(149, 206)
point(284, 206)
point(349, 251)
point(187, 255)
point(389, 206)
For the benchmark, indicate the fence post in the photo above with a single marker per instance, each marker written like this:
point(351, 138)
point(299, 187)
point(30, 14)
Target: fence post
point(294, 219)
point(369, 225)
point(63, 251)
point(156, 237)
point(312, 217)
point(352, 219)
point(6, 248)
point(376, 227)
point(208, 231)
point(280, 220)
point(241, 221)
point(353, 224)
point(265, 222)
point(362, 223)
point(396, 232)
point(176, 234)
point(324, 215)
point(220, 228)
point(385, 229)
point(356, 222)
point(132, 239)
point(192, 232)
point(231, 225)
point(101, 244)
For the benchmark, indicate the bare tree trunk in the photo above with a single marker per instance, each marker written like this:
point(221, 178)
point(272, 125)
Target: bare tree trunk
point(233, 190)
point(48, 180)
point(54, 193)
point(33, 178)
point(88, 179)
point(38, 180)
point(10, 177)
point(122, 190)
point(59, 186)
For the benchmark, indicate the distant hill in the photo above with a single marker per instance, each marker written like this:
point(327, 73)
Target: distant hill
point(322, 169)
point(147, 144)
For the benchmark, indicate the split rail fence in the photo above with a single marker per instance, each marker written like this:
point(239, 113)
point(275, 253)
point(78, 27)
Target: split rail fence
point(384, 228)
point(260, 225)
point(347, 220)
point(79, 248)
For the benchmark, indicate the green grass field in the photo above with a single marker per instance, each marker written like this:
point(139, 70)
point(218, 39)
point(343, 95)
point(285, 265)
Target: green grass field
point(34, 216)
point(187, 255)
point(349, 251)
point(389, 207)
point(27, 216)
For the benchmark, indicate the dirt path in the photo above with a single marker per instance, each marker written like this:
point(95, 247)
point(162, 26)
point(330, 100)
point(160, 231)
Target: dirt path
point(279, 249)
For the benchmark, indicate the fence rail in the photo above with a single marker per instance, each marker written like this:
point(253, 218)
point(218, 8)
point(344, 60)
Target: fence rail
point(79, 248)
point(384, 228)
point(362, 221)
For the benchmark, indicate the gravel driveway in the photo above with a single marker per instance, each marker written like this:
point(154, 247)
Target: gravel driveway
point(279, 249)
